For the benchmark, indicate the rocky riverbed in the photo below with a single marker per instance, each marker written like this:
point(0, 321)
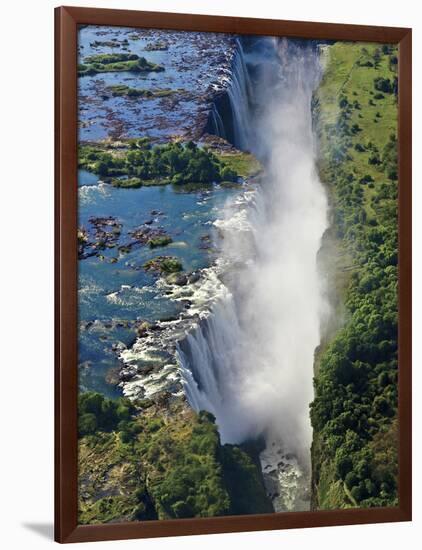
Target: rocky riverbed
point(196, 69)
point(145, 252)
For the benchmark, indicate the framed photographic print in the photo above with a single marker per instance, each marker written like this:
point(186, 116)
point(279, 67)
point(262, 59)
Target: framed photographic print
point(233, 274)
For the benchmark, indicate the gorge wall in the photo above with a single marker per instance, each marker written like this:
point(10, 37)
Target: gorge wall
point(354, 413)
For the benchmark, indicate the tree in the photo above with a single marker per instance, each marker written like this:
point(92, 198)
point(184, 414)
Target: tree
point(227, 174)
point(101, 168)
point(87, 424)
point(384, 85)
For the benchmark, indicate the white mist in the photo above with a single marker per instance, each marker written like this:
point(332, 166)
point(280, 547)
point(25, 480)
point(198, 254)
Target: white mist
point(251, 362)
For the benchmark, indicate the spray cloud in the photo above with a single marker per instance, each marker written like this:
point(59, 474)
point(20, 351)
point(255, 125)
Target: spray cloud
point(251, 362)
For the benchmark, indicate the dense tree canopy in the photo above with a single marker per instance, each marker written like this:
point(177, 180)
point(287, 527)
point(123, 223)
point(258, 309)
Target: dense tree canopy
point(355, 406)
point(173, 162)
point(96, 412)
point(175, 464)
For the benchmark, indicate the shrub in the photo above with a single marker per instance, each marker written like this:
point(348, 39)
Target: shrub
point(160, 241)
point(374, 160)
point(389, 158)
point(384, 85)
point(96, 412)
point(366, 179)
point(171, 265)
point(87, 424)
point(227, 174)
point(343, 102)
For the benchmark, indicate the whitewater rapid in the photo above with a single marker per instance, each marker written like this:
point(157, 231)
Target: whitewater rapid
point(250, 362)
point(244, 349)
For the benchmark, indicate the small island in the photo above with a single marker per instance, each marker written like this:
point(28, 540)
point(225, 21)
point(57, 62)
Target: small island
point(142, 163)
point(116, 62)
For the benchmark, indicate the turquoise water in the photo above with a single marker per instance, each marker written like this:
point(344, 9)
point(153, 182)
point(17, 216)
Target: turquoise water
point(112, 293)
point(115, 292)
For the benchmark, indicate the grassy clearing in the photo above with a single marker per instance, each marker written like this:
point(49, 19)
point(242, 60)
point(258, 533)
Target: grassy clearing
point(349, 76)
point(244, 164)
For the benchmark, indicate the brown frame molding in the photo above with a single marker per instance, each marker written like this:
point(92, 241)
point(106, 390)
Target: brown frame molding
point(66, 21)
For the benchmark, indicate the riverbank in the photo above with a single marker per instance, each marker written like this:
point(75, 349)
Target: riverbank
point(354, 413)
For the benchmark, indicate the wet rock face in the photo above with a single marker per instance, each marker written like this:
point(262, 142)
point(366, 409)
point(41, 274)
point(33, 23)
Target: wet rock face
point(222, 105)
point(196, 72)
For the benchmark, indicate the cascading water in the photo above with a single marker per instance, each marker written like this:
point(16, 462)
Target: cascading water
point(251, 361)
point(239, 93)
point(217, 123)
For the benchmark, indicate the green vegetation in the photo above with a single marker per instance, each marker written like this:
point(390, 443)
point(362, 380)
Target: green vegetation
point(162, 240)
point(110, 58)
point(133, 183)
point(188, 481)
point(116, 62)
point(96, 412)
point(127, 91)
point(112, 481)
point(143, 163)
point(123, 90)
point(385, 85)
point(241, 163)
point(165, 466)
point(163, 264)
point(354, 413)
point(242, 478)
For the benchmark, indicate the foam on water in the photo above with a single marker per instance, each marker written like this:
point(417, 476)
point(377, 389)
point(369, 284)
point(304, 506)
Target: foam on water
point(251, 362)
point(158, 347)
point(89, 193)
point(244, 347)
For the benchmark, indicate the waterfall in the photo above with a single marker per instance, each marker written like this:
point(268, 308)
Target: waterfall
point(250, 361)
point(217, 123)
point(229, 116)
point(207, 361)
point(239, 92)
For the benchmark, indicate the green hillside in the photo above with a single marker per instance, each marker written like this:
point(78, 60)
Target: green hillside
point(160, 460)
point(354, 413)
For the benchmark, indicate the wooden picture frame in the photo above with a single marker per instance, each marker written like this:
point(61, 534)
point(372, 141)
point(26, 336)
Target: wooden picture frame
point(66, 386)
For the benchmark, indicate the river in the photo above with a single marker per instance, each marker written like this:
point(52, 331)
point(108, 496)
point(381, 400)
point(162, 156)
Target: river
point(239, 340)
point(251, 361)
